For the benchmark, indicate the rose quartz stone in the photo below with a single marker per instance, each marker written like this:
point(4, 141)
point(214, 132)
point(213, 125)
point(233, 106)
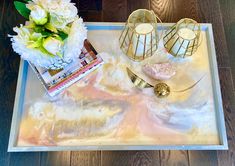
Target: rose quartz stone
point(161, 71)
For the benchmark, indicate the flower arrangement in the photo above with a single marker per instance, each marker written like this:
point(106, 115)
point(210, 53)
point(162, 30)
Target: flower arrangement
point(54, 34)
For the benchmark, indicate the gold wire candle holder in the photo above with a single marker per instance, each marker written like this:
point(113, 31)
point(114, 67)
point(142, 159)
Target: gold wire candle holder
point(139, 38)
point(182, 39)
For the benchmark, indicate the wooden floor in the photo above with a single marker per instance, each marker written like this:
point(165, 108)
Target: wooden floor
point(221, 13)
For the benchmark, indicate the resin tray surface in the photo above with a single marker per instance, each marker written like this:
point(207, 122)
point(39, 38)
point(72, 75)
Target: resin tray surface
point(104, 111)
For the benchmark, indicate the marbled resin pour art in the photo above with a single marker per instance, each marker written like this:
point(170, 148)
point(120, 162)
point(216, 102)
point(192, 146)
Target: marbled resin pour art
point(105, 108)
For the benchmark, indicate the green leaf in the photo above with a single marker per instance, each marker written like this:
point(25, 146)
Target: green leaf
point(46, 33)
point(51, 28)
point(59, 54)
point(36, 44)
point(22, 9)
point(42, 30)
point(38, 29)
point(31, 25)
point(43, 50)
point(62, 35)
point(35, 36)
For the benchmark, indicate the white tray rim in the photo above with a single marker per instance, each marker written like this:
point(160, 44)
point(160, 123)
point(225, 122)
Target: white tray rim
point(20, 92)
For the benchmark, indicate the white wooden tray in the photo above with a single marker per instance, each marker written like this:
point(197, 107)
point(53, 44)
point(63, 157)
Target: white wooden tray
point(103, 36)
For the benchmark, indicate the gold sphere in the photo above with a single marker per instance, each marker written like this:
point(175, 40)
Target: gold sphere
point(161, 90)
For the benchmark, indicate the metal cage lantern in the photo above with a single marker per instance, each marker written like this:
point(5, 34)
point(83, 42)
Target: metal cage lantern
point(139, 38)
point(182, 39)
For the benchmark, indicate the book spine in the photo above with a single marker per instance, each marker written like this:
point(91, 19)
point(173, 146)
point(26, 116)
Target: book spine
point(68, 82)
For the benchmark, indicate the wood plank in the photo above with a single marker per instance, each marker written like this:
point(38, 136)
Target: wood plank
point(228, 157)
point(228, 17)
point(209, 12)
point(207, 158)
point(127, 158)
point(226, 84)
point(87, 5)
point(91, 16)
point(9, 64)
point(174, 158)
point(133, 5)
point(2, 11)
point(174, 10)
point(88, 158)
point(25, 159)
point(115, 10)
point(4, 123)
point(55, 158)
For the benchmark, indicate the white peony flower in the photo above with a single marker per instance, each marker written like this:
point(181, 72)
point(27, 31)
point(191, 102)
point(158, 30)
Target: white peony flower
point(38, 15)
point(75, 40)
point(33, 43)
point(62, 12)
point(58, 21)
point(23, 34)
point(53, 45)
point(20, 45)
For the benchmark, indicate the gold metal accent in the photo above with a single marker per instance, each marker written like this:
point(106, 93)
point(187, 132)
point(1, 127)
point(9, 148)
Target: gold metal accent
point(190, 87)
point(131, 40)
point(137, 81)
point(178, 45)
point(161, 90)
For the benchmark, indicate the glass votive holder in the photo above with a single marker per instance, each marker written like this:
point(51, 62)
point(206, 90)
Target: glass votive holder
point(182, 39)
point(139, 38)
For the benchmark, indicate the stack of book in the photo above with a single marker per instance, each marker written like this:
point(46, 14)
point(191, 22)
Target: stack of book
point(55, 81)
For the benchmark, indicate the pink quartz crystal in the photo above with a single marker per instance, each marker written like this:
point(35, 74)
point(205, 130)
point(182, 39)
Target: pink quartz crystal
point(161, 71)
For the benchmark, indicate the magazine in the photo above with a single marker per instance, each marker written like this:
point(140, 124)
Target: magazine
point(55, 81)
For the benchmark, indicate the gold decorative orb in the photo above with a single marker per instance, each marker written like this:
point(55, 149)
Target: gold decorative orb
point(161, 90)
